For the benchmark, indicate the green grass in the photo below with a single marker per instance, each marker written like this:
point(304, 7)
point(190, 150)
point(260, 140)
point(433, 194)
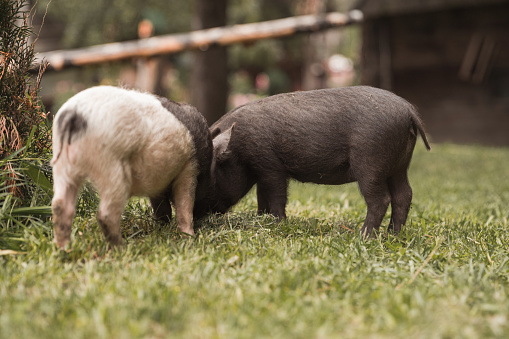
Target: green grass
point(247, 276)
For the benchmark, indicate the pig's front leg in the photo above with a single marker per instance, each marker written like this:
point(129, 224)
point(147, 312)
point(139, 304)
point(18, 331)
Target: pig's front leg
point(162, 207)
point(271, 191)
point(184, 193)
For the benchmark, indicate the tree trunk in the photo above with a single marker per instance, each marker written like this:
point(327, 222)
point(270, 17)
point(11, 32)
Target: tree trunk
point(314, 50)
point(209, 75)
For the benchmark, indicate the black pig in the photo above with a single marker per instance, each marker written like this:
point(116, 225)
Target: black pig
point(330, 136)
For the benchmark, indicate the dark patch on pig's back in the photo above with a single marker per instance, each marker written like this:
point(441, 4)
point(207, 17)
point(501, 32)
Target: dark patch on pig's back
point(195, 122)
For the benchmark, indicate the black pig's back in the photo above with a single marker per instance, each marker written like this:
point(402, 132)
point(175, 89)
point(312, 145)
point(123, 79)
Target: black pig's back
point(323, 136)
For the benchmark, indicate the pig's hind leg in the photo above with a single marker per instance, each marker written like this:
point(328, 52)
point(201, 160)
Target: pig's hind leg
point(401, 199)
point(377, 196)
point(114, 185)
point(272, 194)
point(63, 205)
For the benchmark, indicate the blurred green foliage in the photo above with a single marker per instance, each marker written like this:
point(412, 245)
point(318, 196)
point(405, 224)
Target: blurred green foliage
point(101, 21)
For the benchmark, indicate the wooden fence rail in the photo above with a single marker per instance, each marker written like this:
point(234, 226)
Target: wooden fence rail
point(173, 43)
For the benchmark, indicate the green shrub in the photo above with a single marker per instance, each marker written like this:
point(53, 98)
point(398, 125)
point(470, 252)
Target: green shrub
point(25, 190)
point(22, 116)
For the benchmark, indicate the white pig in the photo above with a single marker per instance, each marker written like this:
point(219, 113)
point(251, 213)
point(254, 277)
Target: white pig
point(127, 143)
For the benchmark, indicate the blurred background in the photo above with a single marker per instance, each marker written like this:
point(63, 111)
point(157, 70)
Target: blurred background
point(450, 58)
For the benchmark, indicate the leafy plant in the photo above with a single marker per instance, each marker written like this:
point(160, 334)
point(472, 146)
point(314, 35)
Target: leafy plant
point(22, 114)
point(24, 130)
point(17, 214)
point(25, 187)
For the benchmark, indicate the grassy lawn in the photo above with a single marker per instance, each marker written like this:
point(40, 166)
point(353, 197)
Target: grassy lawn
point(246, 276)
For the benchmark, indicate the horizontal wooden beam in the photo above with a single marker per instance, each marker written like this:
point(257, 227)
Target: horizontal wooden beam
point(174, 43)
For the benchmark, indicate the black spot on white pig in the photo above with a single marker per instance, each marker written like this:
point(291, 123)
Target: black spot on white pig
point(197, 125)
point(330, 136)
point(128, 143)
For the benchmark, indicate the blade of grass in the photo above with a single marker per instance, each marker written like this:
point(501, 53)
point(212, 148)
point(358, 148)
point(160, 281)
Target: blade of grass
point(39, 178)
point(32, 211)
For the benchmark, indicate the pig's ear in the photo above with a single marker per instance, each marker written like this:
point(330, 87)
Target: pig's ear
point(215, 132)
point(221, 144)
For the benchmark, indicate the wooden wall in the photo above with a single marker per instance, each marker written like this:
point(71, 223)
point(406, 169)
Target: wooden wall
point(453, 65)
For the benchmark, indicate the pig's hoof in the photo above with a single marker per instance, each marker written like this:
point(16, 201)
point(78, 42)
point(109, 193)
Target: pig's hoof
point(62, 244)
point(367, 234)
point(187, 233)
point(115, 240)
